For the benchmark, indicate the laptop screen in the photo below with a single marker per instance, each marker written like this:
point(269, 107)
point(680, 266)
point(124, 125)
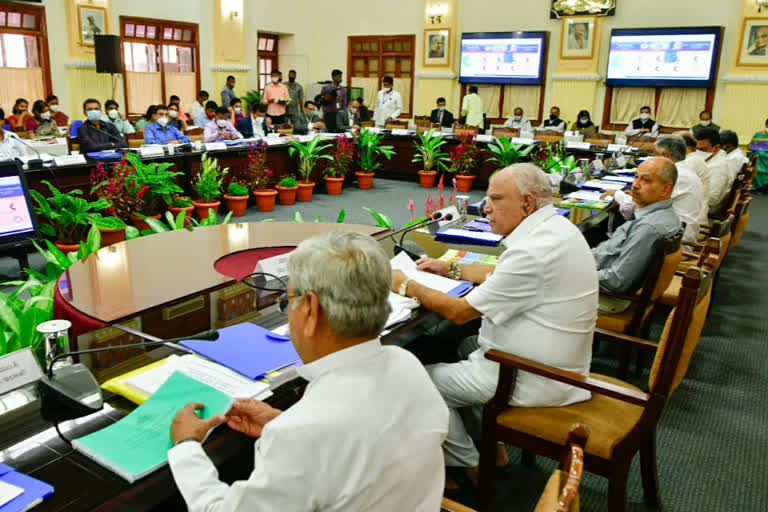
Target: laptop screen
point(16, 219)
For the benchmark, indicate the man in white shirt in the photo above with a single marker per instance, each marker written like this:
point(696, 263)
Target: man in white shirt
point(472, 108)
point(721, 180)
point(695, 162)
point(688, 198)
point(197, 108)
point(389, 104)
point(10, 146)
point(365, 436)
point(517, 121)
point(539, 302)
point(736, 157)
point(643, 126)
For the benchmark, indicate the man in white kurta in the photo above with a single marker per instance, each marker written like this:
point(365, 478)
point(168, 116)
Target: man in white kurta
point(389, 104)
point(539, 302)
point(365, 436)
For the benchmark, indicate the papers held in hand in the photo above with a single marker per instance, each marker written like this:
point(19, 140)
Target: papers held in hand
point(439, 283)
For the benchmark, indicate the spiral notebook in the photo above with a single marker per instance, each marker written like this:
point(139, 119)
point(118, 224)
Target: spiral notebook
point(138, 444)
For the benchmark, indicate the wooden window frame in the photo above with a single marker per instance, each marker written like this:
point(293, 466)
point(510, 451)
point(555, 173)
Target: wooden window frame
point(158, 41)
point(381, 54)
point(41, 34)
point(272, 55)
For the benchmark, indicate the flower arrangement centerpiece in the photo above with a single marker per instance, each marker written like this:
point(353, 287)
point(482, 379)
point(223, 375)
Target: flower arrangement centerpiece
point(260, 177)
point(465, 157)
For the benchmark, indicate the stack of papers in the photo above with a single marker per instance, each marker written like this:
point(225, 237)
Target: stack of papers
point(442, 284)
point(588, 195)
point(19, 491)
point(603, 185)
point(468, 237)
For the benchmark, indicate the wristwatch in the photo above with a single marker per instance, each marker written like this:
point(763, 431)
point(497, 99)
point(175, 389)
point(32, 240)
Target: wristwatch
point(404, 287)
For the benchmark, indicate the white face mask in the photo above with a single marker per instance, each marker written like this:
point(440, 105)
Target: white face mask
point(173, 114)
point(387, 89)
point(706, 123)
point(221, 123)
point(703, 154)
point(517, 118)
point(45, 115)
point(238, 110)
point(441, 108)
point(275, 79)
point(311, 113)
point(353, 110)
point(583, 121)
point(53, 108)
point(162, 121)
point(113, 114)
point(644, 116)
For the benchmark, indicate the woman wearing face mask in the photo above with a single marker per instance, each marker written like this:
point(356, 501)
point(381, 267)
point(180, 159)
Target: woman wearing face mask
point(116, 118)
point(175, 119)
point(584, 124)
point(235, 111)
point(148, 118)
point(20, 113)
point(40, 122)
point(59, 117)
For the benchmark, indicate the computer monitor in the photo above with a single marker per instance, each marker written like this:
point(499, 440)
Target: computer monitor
point(17, 218)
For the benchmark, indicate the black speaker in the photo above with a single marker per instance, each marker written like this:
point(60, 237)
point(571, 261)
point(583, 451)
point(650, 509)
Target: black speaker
point(109, 55)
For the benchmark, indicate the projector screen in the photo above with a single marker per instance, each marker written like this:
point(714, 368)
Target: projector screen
point(667, 57)
point(17, 222)
point(502, 57)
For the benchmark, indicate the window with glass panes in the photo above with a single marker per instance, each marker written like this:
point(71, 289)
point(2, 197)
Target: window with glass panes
point(268, 59)
point(371, 58)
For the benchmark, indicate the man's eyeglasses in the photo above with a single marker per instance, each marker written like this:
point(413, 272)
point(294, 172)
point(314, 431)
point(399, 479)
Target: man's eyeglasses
point(284, 300)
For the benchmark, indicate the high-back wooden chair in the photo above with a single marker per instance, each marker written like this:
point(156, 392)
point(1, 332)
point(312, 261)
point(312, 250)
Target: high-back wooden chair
point(547, 136)
point(285, 129)
point(135, 140)
point(506, 132)
point(423, 124)
point(367, 124)
point(740, 224)
point(464, 131)
point(600, 139)
point(73, 144)
point(195, 134)
point(622, 417)
point(712, 253)
point(402, 125)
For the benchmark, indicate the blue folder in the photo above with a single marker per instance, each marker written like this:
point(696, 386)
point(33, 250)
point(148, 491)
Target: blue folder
point(35, 491)
point(246, 349)
point(105, 155)
point(461, 289)
point(465, 238)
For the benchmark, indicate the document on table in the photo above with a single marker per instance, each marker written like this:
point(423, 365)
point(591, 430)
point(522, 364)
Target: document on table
point(604, 185)
point(215, 375)
point(401, 309)
point(588, 195)
point(8, 492)
point(442, 284)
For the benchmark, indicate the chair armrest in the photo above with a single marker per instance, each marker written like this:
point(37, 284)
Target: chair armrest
point(453, 506)
point(625, 338)
point(574, 379)
point(693, 255)
point(693, 244)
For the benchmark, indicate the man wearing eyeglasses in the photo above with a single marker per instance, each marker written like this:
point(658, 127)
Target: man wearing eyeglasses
point(367, 433)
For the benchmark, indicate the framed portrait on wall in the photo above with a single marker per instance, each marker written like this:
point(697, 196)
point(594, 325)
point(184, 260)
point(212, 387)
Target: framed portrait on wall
point(92, 21)
point(753, 48)
point(577, 38)
point(562, 8)
point(437, 47)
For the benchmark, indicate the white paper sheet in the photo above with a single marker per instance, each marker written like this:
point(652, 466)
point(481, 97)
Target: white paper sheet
point(403, 262)
point(8, 492)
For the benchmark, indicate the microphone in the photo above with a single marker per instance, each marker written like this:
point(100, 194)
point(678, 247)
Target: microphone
point(34, 163)
point(72, 391)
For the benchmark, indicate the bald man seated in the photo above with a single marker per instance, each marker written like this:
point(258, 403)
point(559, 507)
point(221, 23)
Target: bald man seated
point(623, 259)
point(539, 302)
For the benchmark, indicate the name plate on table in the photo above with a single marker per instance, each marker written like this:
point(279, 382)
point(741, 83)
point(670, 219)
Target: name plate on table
point(18, 369)
point(485, 138)
point(215, 146)
point(69, 160)
point(399, 131)
point(307, 138)
point(152, 151)
point(579, 145)
point(276, 265)
point(522, 140)
point(615, 148)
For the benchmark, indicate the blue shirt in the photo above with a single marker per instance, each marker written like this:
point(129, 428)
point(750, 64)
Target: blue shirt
point(202, 120)
point(154, 134)
point(622, 260)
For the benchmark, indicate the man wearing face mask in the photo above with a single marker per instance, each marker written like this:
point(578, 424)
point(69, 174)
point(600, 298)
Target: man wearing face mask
point(59, 117)
point(705, 121)
point(95, 135)
point(220, 129)
point(257, 124)
point(207, 115)
point(176, 120)
point(389, 104)
point(643, 126)
point(113, 116)
point(308, 121)
point(296, 92)
point(554, 123)
point(721, 178)
point(472, 109)
point(334, 98)
point(161, 132)
point(518, 122)
point(348, 119)
point(441, 115)
point(584, 125)
point(276, 96)
point(228, 92)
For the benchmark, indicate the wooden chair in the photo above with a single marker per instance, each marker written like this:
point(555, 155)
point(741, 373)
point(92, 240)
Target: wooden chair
point(600, 139)
point(195, 134)
point(622, 417)
point(423, 124)
point(739, 189)
point(135, 140)
point(367, 124)
point(720, 229)
point(449, 505)
point(506, 132)
point(740, 224)
point(712, 254)
point(284, 129)
point(465, 131)
point(73, 144)
point(548, 136)
point(402, 125)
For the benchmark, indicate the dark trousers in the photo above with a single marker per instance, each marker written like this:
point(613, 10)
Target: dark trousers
point(277, 119)
point(329, 118)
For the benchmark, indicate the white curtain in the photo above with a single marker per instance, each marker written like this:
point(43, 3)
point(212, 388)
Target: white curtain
point(370, 89)
point(24, 83)
point(184, 86)
point(490, 94)
point(403, 86)
point(627, 101)
point(142, 90)
point(680, 107)
point(524, 96)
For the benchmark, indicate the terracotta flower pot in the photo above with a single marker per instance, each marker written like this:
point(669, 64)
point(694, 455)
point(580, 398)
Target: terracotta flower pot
point(304, 194)
point(427, 178)
point(202, 208)
point(236, 204)
point(66, 248)
point(111, 236)
point(464, 182)
point(364, 180)
point(265, 199)
point(140, 223)
point(187, 213)
point(333, 185)
point(287, 195)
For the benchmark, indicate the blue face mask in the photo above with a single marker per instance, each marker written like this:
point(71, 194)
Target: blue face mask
point(94, 115)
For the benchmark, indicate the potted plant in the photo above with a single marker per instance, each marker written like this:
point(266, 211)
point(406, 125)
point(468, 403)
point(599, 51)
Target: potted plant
point(265, 196)
point(236, 198)
point(465, 157)
point(342, 157)
point(126, 197)
point(159, 181)
point(69, 216)
point(308, 155)
point(112, 229)
point(207, 184)
point(503, 152)
point(180, 203)
point(286, 190)
point(429, 151)
point(370, 148)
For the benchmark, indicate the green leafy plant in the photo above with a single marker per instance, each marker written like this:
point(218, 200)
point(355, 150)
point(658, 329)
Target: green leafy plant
point(381, 219)
point(237, 189)
point(370, 149)
point(288, 182)
point(429, 151)
point(159, 180)
point(179, 201)
point(108, 222)
point(343, 157)
point(250, 97)
point(553, 158)
point(69, 216)
point(212, 219)
point(207, 184)
point(299, 217)
point(308, 155)
point(505, 153)
point(464, 157)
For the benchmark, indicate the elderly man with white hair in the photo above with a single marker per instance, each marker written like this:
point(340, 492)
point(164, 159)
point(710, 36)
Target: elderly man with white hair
point(539, 302)
point(367, 433)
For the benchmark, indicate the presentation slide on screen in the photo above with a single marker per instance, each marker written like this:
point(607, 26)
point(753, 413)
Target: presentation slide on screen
point(501, 58)
point(14, 216)
point(661, 57)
